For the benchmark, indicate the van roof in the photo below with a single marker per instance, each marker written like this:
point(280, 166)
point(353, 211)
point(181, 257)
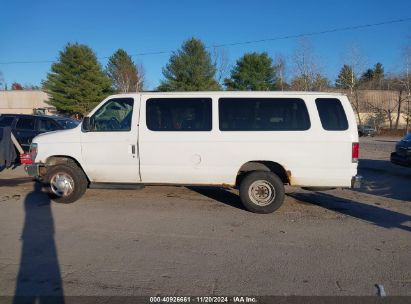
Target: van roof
point(236, 93)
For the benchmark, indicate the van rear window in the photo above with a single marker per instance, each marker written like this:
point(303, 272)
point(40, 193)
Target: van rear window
point(332, 114)
point(263, 114)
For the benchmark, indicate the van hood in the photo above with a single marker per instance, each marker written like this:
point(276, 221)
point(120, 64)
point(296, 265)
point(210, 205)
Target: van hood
point(59, 136)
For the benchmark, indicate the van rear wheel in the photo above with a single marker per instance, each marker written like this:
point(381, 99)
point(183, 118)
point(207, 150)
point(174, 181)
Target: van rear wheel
point(65, 183)
point(262, 192)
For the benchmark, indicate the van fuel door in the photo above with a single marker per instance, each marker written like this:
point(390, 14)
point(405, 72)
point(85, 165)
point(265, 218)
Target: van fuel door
point(195, 159)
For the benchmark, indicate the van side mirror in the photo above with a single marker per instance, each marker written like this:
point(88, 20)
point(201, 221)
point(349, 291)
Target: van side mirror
point(86, 124)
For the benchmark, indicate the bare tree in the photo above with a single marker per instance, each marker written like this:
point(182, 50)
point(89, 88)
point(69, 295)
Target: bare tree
point(307, 74)
point(384, 102)
point(305, 67)
point(397, 83)
point(125, 75)
point(395, 91)
point(141, 76)
point(354, 98)
point(357, 63)
point(406, 82)
point(384, 110)
point(30, 87)
point(221, 62)
point(1, 79)
point(280, 66)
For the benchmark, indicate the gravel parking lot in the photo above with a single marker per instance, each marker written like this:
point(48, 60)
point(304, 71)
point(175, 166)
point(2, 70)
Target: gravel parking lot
point(200, 241)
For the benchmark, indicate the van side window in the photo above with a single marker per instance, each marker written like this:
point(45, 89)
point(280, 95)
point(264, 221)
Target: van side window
point(263, 114)
point(332, 114)
point(114, 116)
point(179, 114)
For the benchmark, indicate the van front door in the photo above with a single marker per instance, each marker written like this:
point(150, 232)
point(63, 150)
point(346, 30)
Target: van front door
point(109, 148)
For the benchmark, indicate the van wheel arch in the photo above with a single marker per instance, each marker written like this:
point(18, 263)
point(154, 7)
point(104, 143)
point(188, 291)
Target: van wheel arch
point(262, 165)
point(64, 160)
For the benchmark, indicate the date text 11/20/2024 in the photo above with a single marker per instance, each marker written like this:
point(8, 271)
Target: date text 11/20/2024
point(203, 299)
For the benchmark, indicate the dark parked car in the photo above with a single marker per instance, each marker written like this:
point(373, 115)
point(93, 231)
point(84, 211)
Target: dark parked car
point(26, 127)
point(402, 154)
point(364, 130)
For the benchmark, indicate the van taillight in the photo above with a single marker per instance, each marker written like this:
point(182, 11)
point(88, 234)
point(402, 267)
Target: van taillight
point(25, 159)
point(355, 152)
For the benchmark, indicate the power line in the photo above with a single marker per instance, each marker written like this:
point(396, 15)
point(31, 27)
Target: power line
point(308, 34)
point(341, 29)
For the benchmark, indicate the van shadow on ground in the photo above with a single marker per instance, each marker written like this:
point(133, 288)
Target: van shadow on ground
point(39, 275)
point(373, 214)
point(385, 179)
point(219, 194)
point(11, 182)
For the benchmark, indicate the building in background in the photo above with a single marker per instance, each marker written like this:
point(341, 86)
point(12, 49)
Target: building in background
point(378, 108)
point(25, 102)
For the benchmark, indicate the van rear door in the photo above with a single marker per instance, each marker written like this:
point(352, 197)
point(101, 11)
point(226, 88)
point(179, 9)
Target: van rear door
point(335, 164)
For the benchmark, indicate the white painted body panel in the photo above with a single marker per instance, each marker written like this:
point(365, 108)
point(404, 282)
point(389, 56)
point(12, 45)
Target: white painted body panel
point(58, 143)
point(314, 158)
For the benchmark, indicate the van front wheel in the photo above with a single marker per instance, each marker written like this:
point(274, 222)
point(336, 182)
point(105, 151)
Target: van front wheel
point(262, 192)
point(65, 183)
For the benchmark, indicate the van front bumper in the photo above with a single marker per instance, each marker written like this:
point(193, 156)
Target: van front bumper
point(356, 181)
point(34, 170)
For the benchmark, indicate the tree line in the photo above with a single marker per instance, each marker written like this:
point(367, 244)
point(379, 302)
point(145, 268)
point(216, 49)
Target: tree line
point(77, 81)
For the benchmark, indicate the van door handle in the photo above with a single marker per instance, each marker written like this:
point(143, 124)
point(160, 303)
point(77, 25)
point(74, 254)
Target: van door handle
point(132, 150)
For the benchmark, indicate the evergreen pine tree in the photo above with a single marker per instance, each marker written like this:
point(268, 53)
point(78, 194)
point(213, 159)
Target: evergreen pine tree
point(367, 76)
point(254, 72)
point(76, 83)
point(190, 69)
point(346, 78)
point(372, 78)
point(378, 71)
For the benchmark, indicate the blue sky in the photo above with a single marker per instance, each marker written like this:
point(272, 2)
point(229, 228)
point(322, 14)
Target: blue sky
point(38, 30)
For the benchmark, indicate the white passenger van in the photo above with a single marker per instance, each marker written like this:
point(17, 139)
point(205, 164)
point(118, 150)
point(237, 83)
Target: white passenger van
point(254, 141)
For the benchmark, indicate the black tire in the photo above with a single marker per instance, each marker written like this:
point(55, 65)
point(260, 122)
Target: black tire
point(262, 192)
point(68, 174)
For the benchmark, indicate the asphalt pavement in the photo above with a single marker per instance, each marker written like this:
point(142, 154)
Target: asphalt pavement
point(200, 241)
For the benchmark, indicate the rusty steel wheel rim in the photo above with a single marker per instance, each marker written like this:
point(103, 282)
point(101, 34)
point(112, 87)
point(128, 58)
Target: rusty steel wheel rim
point(261, 193)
